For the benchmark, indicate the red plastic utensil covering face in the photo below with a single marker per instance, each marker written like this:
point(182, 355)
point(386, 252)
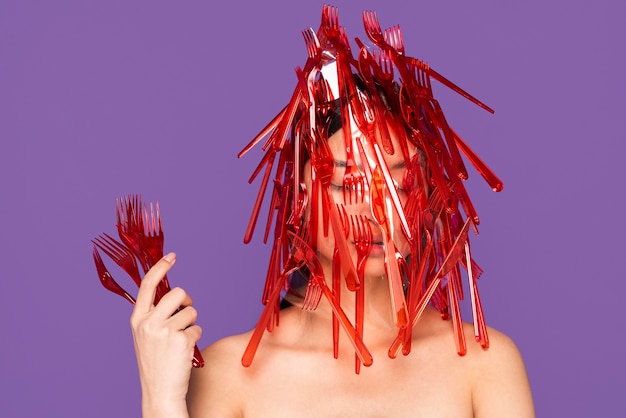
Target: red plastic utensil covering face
point(383, 102)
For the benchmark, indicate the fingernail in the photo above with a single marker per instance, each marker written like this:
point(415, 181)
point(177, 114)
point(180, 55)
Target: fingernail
point(170, 258)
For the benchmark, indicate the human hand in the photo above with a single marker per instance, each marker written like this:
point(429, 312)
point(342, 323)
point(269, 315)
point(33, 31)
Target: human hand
point(164, 343)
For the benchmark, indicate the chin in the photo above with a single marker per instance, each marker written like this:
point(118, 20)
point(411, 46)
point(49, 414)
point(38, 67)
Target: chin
point(375, 265)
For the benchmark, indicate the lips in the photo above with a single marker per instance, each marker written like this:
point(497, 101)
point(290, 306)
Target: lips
point(376, 240)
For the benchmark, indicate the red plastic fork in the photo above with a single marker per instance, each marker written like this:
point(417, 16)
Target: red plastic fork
point(130, 227)
point(336, 281)
point(456, 252)
point(309, 257)
point(107, 280)
point(372, 27)
point(376, 35)
point(142, 233)
point(393, 36)
point(384, 70)
point(353, 180)
point(381, 210)
point(363, 237)
point(323, 163)
point(153, 233)
point(480, 327)
point(490, 177)
point(119, 253)
point(267, 314)
point(154, 242)
point(313, 292)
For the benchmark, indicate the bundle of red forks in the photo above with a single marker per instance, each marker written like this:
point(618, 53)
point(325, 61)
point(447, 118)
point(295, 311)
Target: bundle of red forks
point(140, 244)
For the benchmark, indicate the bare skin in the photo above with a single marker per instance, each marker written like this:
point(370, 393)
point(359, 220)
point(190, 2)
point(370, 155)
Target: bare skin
point(164, 341)
point(294, 373)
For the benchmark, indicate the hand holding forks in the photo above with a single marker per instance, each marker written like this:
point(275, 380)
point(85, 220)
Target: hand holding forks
point(142, 244)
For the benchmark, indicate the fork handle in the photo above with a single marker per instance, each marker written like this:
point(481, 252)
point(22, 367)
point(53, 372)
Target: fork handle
point(198, 361)
point(255, 339)
point(361, 350)
point(395, 284)
point(352, 281)
point(111, 286)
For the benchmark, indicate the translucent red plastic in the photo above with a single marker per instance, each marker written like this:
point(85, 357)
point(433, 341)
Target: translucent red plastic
point(377, 90)
point(140, 230)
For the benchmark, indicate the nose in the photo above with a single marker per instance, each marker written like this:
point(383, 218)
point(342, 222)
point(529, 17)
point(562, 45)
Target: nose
point(357, 202)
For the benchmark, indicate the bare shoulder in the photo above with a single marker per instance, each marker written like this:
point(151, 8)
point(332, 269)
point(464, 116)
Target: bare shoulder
point(215, 389)
point(499, 382)
point(224, 388)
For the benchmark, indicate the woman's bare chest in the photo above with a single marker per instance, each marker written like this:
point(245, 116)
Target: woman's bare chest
point(384, 390)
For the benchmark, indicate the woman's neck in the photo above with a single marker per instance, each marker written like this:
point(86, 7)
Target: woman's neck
point(377, 308)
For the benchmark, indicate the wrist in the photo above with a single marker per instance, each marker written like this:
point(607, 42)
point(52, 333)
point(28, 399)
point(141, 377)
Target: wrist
point(162, 409)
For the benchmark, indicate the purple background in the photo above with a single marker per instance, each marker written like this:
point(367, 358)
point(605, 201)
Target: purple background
point(101, 99)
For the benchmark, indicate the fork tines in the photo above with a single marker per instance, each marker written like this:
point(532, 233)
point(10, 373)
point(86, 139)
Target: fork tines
point(109, 245)
point(129, 213)
point(311, 41)
point(312, 295)
point(372, 26)
point(152, 220)
point(385, 64)
point(393, 37)
point(119, 253)
point(330, 16)
point(304, 253)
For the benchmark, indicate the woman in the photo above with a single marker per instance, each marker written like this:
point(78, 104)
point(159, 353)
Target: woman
point(370, 245)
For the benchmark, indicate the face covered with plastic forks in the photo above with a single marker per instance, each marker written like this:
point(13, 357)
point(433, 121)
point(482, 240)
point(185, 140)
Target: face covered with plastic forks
point(356, 200)
point(364, 136)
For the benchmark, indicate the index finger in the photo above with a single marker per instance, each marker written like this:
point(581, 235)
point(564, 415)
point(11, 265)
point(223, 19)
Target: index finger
point(147, 290)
